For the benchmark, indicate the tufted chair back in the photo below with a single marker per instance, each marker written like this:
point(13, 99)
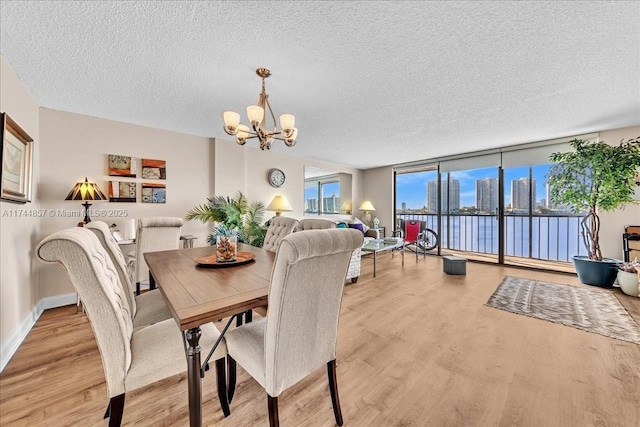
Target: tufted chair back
point(279, 227)
point(95, 279)
point(155, 234)
point(102, 232)
point(315, 224)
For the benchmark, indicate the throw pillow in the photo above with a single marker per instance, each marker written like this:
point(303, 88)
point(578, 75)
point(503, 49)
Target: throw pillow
point(357, 227)
point(365, 227)
point(342, 225)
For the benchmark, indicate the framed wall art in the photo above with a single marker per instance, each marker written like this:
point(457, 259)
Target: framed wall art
point(123, 166)
point(122, 191)
point(17, 162)
point(154, 169)
point(154, 193)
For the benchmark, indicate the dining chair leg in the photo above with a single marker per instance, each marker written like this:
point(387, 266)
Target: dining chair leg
point(273, 411)
point(116, 409)
point(333, 387)
point(232, 368)
point(221, 378)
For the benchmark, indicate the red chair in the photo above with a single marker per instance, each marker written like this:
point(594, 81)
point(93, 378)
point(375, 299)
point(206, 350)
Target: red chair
point(417, 237)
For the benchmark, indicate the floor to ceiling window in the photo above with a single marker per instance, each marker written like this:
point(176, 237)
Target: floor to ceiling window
point(414, 198)
point(493, 207)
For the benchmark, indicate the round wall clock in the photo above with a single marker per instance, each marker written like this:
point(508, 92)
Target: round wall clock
point(276, 177)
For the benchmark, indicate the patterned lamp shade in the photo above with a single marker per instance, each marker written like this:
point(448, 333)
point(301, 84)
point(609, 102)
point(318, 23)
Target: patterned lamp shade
point(85, 191)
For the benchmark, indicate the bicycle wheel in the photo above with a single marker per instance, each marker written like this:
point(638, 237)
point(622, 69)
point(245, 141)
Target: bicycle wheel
point(430, 239)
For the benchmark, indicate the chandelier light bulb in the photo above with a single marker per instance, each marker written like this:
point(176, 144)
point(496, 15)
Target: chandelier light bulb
point(255, 114)
point(231, 122)
point(243, 133)
point(287, 122)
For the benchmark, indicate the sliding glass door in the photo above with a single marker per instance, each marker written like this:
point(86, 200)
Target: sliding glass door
point(414, 198)
point(493, 207)
point(469, 212)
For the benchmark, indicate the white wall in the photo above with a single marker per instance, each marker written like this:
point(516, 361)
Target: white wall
point(612, 223)
point(76, 146)
point(252, 179)
point(19, 235)
point(378, 189)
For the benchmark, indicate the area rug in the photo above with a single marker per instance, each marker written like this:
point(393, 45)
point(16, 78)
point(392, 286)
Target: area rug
point(592, 310)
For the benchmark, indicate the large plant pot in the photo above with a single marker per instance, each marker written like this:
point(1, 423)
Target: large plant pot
point(596, 273)
point(628, 283)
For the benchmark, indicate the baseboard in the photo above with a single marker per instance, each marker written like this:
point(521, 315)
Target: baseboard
point(58, 301)
point(11, 345)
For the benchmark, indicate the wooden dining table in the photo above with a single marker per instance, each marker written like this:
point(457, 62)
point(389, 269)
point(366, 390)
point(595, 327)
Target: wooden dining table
point(197, 295)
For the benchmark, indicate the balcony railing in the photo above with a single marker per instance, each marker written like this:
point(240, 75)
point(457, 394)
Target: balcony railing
point(550, 237)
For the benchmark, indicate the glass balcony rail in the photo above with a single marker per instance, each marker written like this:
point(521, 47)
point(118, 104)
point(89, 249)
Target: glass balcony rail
point(552, 237)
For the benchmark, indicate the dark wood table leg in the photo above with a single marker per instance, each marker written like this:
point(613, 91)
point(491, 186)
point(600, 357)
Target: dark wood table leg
point(193, 372)
point(152, 282)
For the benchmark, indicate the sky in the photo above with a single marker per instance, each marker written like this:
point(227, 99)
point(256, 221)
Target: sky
point(412, 187)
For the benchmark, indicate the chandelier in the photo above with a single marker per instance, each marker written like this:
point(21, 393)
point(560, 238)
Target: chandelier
point(256, 114)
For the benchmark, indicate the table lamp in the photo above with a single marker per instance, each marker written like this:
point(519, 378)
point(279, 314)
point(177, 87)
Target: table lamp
point(86, 191)
point(279, 204)
point(346, 207)
point(367, 207)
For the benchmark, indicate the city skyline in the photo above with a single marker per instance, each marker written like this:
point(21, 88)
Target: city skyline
point(413, 188)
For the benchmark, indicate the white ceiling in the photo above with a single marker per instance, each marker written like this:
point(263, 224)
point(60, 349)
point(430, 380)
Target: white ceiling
point(370, 83)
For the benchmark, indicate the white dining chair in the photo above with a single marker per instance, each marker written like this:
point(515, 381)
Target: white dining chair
point(300, 332)
point(154, 234)
point(279, 227)
point(131, 358)
point(146, 308)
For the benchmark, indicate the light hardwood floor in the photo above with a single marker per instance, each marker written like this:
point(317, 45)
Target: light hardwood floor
point(416, 348)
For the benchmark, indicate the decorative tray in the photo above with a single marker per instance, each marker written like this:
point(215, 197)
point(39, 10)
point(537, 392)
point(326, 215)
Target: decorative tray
point(211, 261)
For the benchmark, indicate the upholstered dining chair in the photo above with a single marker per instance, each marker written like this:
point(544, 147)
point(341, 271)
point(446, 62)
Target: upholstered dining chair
point(322, 224)
point(300, 332)
point(147, 308)
point(279, 227)
point(131, 358)
point(154, 234)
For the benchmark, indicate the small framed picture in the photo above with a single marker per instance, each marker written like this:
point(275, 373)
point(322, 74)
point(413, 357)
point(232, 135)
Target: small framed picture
point(154, 193)
point(122, 166)
point(17, 162)
point(121, 191)
point(154, 169)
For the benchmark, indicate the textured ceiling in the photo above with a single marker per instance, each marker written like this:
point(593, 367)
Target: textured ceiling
point(370, 83)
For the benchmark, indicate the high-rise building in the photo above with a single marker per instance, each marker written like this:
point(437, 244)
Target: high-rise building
point(312, 205)
point(453, 194)
point(554, 206)
point(331, 204)
point(404, 206)
point(487, 194)
point(522, 191)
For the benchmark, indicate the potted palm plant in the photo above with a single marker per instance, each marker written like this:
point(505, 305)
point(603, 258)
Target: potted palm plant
point(595, 177)
point(232, 217)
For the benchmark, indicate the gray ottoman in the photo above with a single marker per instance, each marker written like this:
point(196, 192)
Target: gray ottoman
point(454, 264)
